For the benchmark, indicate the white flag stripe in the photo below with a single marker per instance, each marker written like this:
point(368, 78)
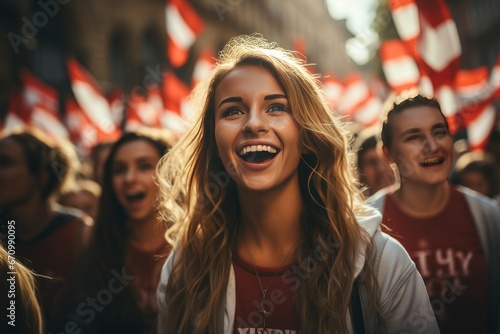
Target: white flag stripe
point(425, 86)
point(333, 91)
point(439, 46)
point(479, 129)
point(446, 97)
point(369, 112)
point(495, 77)
point(406, 21)
point(12, 121)
point(178, 30)
point(95, 105)
point(353, 94)
point(202, 70)
point(46, 121)
point(401, 71)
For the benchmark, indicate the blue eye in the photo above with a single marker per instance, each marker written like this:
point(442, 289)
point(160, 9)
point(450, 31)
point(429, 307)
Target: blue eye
point(231, 111)
point(277, 107)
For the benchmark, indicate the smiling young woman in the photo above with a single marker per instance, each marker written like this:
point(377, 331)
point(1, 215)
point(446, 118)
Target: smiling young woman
point(266, 220)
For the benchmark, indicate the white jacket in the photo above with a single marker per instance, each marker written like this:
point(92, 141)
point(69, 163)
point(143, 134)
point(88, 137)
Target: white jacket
point(404, 302)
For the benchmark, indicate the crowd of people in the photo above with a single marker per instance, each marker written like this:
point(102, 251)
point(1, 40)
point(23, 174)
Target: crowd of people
point(266, 216)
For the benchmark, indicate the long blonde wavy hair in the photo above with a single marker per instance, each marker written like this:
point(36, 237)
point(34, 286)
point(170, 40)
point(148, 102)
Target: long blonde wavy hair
point(200, 203)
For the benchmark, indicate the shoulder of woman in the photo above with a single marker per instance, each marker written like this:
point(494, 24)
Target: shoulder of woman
point(166, 270)
point(392, 264)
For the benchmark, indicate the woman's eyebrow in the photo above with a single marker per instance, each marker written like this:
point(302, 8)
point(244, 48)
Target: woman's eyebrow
point(231, 99)
point(274, 97)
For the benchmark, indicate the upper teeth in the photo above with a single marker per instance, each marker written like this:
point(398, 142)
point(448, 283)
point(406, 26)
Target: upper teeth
point(431, 161)
point(257, 148)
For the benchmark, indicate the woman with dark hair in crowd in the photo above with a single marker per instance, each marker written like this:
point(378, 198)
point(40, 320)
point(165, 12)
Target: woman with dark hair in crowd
point(49, 238)
point(120, 269)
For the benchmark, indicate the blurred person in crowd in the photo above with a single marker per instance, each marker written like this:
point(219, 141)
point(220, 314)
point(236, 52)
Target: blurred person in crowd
point(374, 171)
point(450, 232)
point(476, 171)
point(21, 312)
point(269, 226)
point(98, 157)
point(48, 236)
point(84, 195)
point(128, 245)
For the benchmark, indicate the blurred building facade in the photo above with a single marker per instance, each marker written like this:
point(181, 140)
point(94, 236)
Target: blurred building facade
point(478, 24)
point(120, 41)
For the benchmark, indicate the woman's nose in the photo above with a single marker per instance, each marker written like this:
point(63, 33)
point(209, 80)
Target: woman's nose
point(255, 122)
point(130, 175)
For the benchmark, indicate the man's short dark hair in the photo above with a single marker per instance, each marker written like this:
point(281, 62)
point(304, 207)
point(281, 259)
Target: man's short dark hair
point(400, 106)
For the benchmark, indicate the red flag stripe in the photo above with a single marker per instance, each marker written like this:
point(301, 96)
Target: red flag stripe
point(183, 27)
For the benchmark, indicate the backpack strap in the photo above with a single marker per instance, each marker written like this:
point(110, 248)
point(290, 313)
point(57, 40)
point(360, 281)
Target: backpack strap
point(358, 323)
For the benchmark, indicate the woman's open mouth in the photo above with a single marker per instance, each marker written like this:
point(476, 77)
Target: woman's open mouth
point(258, 153)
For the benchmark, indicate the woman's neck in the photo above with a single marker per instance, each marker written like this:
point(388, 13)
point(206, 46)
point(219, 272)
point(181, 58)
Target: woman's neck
point(147, 235)
point(270, 224)
point(422, 201)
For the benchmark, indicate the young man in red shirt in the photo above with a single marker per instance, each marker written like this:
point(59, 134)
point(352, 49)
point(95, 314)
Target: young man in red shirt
point(452, 234)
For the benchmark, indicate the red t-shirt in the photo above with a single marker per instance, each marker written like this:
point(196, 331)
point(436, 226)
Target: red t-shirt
point(447, 252)
point(146, 269)
point(280, 299)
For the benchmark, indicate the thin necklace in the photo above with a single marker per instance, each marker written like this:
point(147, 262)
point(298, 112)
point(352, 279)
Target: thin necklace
point(264, 308)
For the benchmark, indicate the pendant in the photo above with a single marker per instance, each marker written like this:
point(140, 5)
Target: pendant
point(266, 312)
point(264, 309)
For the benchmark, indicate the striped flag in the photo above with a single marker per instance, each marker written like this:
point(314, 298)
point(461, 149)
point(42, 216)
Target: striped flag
point(431, 36)
point(183, 27)
point(91, 98)
point(203, 66)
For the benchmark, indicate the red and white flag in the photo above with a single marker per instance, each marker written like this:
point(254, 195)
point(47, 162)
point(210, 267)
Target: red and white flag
point(480, 128)
point(116, 105)
point(431, 36)
point(49, 121)
point(175, 94)
point(37, 105)
point(82, 131)
point(359, 103)
point(203, 67)
point(475, 89)
point(333, 89)
point(177, 108)
point(183, 27)
point(91, 98)
point(400, 69)
point(142, 113)
point(35, 92)
point(17, 115)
